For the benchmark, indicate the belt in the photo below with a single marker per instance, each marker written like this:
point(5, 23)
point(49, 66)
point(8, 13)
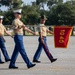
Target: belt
point(18, 34)
point(44, 36)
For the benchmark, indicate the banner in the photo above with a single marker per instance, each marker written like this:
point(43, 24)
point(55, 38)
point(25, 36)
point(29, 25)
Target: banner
point(61, 36)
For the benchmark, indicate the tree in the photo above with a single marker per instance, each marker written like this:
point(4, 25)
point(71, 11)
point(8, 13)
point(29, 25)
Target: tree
point(50, 3)
point(41, 3)
point(5, 2)
point(16, 4)
point(30, 14)
point(61, 14)
point(8, 17)
point(11, 3)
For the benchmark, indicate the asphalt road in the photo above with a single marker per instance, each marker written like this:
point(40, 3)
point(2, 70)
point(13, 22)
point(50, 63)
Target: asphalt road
point(65, 64)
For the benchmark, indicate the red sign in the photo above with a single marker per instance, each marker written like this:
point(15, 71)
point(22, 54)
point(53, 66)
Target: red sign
point(61, 36)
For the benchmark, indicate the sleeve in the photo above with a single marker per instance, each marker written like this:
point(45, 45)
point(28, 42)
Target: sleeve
point(15, 25)
point(39, 28)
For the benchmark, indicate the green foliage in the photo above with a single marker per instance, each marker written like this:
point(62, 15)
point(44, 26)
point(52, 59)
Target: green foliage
point(50, 3)
point(62, 14)
point(8, 17)
point(16, 4)
point(41, 3)
point(58, 13)
point(12, 4)
point(5, 2)
point(30, 15)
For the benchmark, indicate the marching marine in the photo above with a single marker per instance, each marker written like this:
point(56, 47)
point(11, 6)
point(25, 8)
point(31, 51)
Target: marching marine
point(43, 41)
point(18, 27)
point(2, 41)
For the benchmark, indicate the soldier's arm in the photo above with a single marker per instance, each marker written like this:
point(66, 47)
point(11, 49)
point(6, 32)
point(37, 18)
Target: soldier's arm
point(8, 33)
point(28, 30)
point(49, 31)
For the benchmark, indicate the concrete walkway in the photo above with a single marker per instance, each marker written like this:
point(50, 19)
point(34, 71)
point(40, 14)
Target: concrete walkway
point(65, 65)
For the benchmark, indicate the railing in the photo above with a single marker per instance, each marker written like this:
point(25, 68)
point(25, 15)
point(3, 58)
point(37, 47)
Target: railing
point(34, 28)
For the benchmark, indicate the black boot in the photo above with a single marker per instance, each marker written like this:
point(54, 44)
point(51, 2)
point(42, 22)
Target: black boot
point(36, 61)
point(1, 62)
point(14, 67)
point(31, 66)
point(53, 60)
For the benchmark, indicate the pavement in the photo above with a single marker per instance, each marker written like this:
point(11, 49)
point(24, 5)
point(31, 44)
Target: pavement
point(65, 64)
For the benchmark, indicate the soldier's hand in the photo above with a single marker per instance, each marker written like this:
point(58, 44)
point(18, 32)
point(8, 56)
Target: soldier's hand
point(42, 40)
point(34, 33)
point(12, 36)
point(23, 26)
point(4, 40)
